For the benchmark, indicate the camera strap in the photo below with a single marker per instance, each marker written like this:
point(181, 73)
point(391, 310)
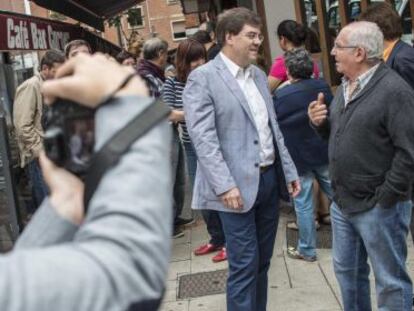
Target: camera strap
point(112, 151)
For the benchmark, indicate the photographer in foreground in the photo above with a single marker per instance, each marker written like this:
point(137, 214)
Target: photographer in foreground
point(116, 256)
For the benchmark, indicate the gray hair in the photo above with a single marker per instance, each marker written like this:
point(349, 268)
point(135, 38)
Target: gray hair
point(368, 36)
point(299, 63)
point(153, 48)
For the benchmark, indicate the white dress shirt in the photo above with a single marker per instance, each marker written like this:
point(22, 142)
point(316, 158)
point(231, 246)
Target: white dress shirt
point(257, 107)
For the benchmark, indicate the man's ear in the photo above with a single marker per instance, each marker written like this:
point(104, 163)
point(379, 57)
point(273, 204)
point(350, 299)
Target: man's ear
point(361, 54)
point(229, 38)
point(43, 67)
point(160, 53)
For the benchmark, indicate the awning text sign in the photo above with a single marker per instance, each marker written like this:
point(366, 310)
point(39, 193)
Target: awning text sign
point(34, 34)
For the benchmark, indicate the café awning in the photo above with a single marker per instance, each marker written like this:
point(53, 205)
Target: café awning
point(90, 12)
point(19, 32)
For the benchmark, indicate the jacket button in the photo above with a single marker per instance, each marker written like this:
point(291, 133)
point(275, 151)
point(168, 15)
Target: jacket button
point(256, 164)
point(256, 142)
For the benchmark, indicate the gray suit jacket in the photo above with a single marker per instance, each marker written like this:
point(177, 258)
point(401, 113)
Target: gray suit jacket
point(119, 256)
point(225, 137)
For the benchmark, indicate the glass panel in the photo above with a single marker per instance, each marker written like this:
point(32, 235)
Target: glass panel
point(135, 18)
point(310, 12)
point(354, 10)
point(179, 30)
point(398, 4)
point(23, 65)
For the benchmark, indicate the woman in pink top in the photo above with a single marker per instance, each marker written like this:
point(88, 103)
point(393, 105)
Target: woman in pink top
point(291, 35)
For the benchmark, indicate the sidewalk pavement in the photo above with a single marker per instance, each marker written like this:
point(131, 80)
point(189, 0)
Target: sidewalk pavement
point(294, 285)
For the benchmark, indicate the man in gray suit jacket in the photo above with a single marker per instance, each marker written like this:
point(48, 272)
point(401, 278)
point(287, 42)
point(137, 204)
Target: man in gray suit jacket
point(232, 124)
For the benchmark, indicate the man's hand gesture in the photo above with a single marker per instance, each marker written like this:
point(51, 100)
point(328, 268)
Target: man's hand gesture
point(317, 110)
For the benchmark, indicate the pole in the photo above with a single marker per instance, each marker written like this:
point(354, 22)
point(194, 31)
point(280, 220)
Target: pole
point(35, 57)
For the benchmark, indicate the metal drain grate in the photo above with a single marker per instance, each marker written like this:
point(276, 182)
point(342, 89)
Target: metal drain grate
point(202, 284)
point(323, 237)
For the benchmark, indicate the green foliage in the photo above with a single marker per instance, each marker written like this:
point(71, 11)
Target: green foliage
point(115, 21)
point(133, 16)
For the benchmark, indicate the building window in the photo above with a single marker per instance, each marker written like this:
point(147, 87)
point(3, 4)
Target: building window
point(178, 30)
point(136, 17)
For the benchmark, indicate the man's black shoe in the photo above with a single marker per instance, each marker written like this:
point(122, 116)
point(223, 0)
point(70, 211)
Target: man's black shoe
point(178, 233)
point(183, 221)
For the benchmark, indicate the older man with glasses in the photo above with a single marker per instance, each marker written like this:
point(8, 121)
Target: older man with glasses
point(371, 154)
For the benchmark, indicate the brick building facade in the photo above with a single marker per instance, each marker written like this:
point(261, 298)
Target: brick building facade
point(163, 18)
point(12, 6)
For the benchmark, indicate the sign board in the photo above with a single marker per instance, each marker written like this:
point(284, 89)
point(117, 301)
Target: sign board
point(30, 33)
point(23, 32)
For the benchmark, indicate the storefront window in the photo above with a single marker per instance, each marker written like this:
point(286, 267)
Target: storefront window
point(24, 65)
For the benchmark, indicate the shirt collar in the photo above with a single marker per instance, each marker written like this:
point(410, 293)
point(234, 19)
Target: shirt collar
point(361, 82)
point(235, 69)
point(388, 50)
point(363, 79)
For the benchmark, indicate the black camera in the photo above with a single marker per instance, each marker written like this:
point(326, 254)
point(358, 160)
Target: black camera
point(69, 135)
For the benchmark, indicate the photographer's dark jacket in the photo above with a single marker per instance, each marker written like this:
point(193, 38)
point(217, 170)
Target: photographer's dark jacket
point(371, 143)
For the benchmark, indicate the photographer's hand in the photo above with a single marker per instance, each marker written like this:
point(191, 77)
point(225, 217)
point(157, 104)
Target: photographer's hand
point(90, 79)
point(66, 191)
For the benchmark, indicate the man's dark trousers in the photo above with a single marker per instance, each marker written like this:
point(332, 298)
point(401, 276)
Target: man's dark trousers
point(39, 188)
point(250, 238)
point(214, 227)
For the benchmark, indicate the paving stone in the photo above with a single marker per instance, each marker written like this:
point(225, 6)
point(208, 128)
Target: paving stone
point(204, 263)
point(280, 243)
point(310, 298)
point(304, 274)
point(314, 284)
point(199, 235)
point(181, 252)
point(208, 303)
point(183, 240)
point(175, 306)
point(278, 276)
point(171, 291)
point(178, 268)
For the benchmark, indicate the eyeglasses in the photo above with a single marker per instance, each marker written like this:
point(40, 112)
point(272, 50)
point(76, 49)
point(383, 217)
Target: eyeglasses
point(254, 35)
point(339, 47)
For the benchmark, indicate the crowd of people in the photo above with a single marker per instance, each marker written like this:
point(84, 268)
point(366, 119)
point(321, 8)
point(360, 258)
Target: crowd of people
point(244, 140)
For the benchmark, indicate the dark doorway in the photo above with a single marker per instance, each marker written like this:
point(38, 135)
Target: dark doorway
point(228, 4)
